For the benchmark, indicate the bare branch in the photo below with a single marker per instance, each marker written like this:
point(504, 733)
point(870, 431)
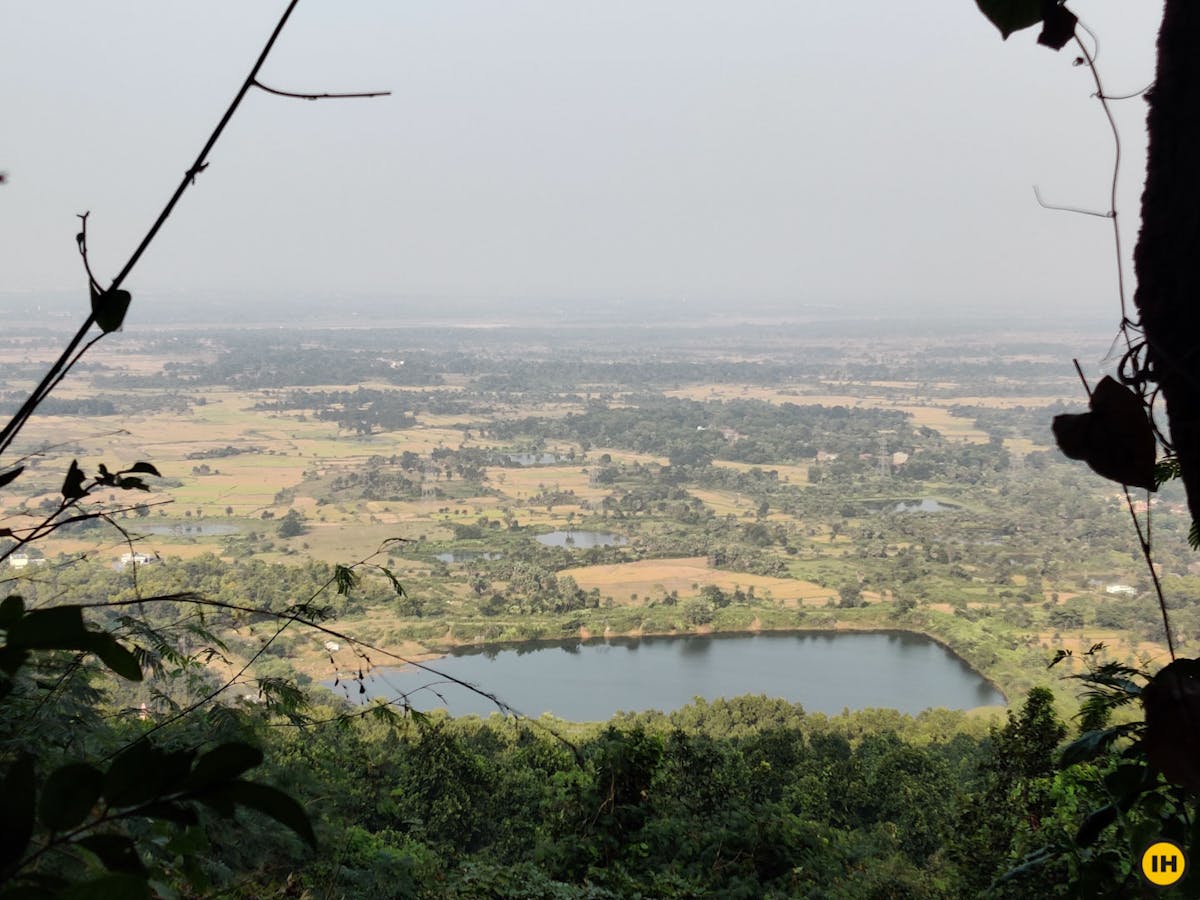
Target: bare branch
point(69, 357)
point(81, 241)
point(1071, 209)
point(1124, 96)
point(270, 90)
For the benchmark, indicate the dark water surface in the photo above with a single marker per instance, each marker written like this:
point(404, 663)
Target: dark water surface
point(457, 556)
point(591, 680)
point(533, 459)
point(582, 539)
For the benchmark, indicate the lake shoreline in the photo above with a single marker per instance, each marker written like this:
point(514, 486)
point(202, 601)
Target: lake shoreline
point(450, 643)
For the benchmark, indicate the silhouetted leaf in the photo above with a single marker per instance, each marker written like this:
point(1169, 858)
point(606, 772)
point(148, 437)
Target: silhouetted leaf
point(56, 628)
point(11, 475)
point(224, 763)
point(1171, 702)
point(1011, 15)
point(176, 768)
point(1058, 25)
point(396, 585)
point(1088, 746)
point(72, 488)
point(1094, 824)
point(116, 851)
point(16, 812)
point(144, 467)
point(69, 795)
point(117, 886)
point(1129, 781)
point(1167, 469)
point(274, 803)
point(1115, 439)
point(131, 777)
point(11, 660)
point(344, 577)
point(130, 483)
point(116, 657)
point(109, 309)
point(11, 609)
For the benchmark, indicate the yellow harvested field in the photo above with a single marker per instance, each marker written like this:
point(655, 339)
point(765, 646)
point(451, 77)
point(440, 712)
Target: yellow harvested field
point(1022, 446)
point(653, 577)
point(934, 414)
point(524, 483)
point(346, 543)
point(724, 502)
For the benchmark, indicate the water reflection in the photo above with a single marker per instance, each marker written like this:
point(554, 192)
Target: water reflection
point(581, 539)
point(533, 459)
point(695, 646)
point(824, 671)
point(457, 556)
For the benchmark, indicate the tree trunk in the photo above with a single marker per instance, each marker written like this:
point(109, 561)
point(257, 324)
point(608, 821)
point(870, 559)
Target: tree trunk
point(1167, 256)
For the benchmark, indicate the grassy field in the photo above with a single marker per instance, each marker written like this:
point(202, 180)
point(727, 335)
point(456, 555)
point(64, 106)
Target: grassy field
point(289, 460)
point(631, 583)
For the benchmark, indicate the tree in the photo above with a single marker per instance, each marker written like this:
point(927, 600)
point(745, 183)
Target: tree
point(850, 596)
point(1167, 255)
point(292, 525)
point(1016, 793)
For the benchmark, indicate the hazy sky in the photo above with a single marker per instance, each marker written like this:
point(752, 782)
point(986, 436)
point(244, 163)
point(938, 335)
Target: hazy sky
point(856, 155)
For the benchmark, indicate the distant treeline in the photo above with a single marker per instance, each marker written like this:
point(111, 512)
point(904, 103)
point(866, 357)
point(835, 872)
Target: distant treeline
point(692, 432)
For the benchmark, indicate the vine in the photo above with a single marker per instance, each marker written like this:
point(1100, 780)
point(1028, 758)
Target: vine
point(1147, 770)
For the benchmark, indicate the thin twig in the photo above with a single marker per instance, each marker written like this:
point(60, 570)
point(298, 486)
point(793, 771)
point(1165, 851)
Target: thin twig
point(1144, 543)
point(201, 162)
point(295, 616)
point(298, 96)
point(52, 377)
point(1079, 369)
point(1116, 169)
point(81, 240)
point(68, 358)
point(1125, 96)
point(1071, 209)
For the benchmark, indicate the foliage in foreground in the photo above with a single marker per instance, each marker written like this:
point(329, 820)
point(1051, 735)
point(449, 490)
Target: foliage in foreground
point(743, 798)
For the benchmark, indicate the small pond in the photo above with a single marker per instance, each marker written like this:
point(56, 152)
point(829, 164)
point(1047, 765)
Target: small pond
point(457, 556)
point(197, 529)
point(533, 459)
point(925, 505)
point(581, 539)
point(911, 505)
point(585, 681)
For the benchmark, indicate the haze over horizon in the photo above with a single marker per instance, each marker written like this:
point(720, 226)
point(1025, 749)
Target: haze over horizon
point(534, 157)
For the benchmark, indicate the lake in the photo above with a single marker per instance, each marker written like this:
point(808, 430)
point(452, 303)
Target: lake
point(587, 681)
point(921, 504)
point(581, 539)
point(457, 556)
point(533, 459)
